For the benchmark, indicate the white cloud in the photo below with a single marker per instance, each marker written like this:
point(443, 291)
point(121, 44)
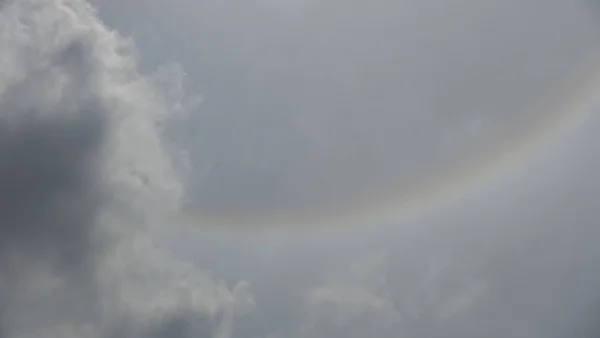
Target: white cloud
point(360, 299)
point(84, 177)
point(354, 296)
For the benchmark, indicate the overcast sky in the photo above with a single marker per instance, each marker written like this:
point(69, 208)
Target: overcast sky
point(311, 104)
point(264, 113)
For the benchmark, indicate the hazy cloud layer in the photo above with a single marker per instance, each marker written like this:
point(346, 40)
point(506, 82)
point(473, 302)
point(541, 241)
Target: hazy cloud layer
point(313, 106)
point(364, 297)
point(83, 176)
point(516, 259)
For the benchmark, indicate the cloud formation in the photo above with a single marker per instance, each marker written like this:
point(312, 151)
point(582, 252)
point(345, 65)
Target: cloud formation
point(362, 298)
point(84, 174)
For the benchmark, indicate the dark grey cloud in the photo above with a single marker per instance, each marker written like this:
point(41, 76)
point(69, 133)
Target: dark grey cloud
point(52, 130)
point(48, 172)
point(84, 174)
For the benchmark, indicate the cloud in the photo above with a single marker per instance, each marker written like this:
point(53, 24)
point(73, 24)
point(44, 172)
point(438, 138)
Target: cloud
point(356, 301)
point(361, 299)
point(84, 174)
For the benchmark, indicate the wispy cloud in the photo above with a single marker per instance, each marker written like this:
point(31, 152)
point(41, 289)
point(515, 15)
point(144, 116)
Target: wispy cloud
point(361, 299)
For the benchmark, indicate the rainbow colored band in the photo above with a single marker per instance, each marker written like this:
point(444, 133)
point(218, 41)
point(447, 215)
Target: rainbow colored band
point(560, 117)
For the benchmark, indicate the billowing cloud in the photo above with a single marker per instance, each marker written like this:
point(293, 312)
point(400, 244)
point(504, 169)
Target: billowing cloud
point(84, 175)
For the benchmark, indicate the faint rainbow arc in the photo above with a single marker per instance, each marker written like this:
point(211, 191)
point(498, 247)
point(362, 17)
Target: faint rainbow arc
point(562, 116)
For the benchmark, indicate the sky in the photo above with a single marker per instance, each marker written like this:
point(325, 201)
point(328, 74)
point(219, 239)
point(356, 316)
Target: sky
point(299, 168)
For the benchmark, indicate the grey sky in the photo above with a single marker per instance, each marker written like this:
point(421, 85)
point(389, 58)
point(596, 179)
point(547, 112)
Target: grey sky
point(316, 109)
point(309, 107)
point(309, 104)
